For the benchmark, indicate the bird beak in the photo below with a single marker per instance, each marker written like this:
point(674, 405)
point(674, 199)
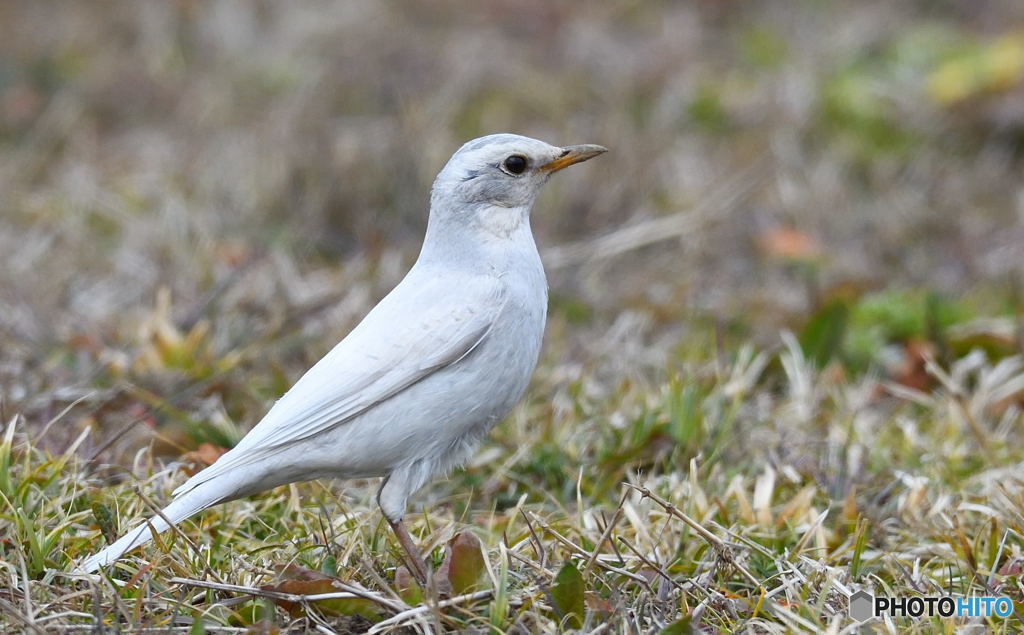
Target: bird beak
point(572, 155)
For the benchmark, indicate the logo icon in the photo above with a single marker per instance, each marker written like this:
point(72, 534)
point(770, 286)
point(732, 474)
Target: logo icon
point(862, 606)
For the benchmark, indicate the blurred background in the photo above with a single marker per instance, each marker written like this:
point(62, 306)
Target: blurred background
point(198, 198)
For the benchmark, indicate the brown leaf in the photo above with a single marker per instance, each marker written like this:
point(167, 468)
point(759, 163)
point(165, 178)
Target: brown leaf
point(463, 565)
point(202, 457)
point(1012, 567)
point(602, 608)
point(232, 252)
point(302, 581)
point(912, 370)
point(293, 571)
point(790, 244)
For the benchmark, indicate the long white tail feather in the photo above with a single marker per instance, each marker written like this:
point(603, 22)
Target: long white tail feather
point(178, 510)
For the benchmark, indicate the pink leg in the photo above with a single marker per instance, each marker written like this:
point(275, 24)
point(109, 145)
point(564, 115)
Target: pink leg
point(419, 566)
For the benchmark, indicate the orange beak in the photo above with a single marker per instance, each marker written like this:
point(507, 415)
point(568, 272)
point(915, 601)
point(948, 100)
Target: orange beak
point(571, 155)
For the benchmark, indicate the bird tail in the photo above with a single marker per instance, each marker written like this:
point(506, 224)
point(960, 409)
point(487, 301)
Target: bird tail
point(188, 504)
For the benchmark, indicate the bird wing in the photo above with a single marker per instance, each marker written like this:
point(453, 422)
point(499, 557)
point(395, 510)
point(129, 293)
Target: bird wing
point(424, 325)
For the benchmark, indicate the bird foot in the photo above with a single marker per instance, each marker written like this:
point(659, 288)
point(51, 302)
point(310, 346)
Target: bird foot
point(417, 565)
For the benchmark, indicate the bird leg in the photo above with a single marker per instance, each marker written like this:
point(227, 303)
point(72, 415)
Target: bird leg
point(418, 565)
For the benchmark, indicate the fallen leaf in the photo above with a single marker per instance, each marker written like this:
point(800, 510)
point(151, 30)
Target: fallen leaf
point(1011, 568)
point(301, 581)
point(790, 244)
point(463, 566)
point(912, 370)
point(202, 457)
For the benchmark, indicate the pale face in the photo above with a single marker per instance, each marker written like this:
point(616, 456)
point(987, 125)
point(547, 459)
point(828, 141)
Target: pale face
point(505, 170)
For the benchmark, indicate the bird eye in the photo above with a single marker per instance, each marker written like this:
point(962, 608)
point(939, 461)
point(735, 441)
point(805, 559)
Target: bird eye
point(515, 164)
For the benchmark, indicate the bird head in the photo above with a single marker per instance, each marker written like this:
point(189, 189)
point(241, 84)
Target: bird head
point(501, 171)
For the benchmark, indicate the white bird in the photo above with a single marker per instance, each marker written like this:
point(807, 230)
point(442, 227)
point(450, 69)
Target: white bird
point(414, 388)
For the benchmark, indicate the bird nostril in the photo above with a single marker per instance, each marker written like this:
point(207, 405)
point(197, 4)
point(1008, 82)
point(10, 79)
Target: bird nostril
point(564, 152)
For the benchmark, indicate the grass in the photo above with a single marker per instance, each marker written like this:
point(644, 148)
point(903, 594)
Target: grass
point(755, 494)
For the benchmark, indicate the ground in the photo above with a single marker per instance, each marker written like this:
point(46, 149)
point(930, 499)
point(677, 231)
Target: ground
point(784, 353)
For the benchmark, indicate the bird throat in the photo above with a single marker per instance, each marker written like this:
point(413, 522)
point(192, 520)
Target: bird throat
point(503, 222)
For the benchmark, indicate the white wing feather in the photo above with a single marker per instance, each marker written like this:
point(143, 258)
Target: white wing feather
point(370, 365)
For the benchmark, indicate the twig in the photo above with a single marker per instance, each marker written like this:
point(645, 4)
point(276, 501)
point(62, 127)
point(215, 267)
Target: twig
point(26, 622)
point(586, 554)
point(531, 563)
point(723, 548)
point(416, 611)
point(370, 571)
point(604, 535)
point(653, 565)
point(57, 616)
point(208, 628)
point(535, 541)
point(716, 542)
point(349, 591)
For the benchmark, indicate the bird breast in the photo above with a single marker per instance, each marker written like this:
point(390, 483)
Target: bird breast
point(456, 406)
